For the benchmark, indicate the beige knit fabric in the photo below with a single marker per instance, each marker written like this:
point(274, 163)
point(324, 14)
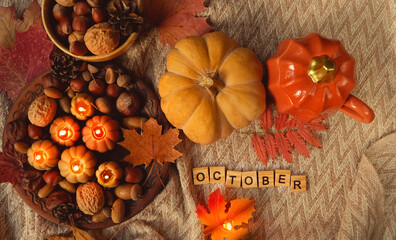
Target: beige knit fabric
point(351, 186)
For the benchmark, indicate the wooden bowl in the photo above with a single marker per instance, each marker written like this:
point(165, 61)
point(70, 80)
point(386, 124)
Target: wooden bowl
point(154, 185)
point(49, 26)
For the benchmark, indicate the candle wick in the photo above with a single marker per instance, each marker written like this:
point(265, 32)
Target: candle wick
point(38, 157)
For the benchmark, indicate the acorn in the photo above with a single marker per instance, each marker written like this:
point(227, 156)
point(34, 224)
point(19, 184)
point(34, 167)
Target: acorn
point(113, 90)
point(97, 87)
point(77, 85)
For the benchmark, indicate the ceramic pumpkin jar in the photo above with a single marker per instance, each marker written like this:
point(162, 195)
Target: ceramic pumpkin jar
point(82, 106)
point(312, 77)
point(212, 87)
point(43, 155)
point(109, 174)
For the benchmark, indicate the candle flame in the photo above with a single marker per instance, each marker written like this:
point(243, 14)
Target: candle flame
point(76, 168)
point(62, 133)
point(81, 109)
point(98, 131)
point(106, 177)
point(38, 157)
point(227, 226)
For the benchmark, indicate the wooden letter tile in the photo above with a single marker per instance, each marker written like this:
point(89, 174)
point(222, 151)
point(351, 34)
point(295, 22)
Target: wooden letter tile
point(233, 179)
point(249, 179)
point(201, 175)
point(282, 178)
point(217, 174)
point(298, 183)
point(266, 179)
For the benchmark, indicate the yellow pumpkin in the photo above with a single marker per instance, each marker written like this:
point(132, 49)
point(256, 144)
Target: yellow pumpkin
point(212, 87)
point(43, 155)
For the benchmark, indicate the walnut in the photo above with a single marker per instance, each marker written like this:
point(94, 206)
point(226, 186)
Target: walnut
point(90, 198)
point(101, 39)
point(66, 3)
point(42, 111)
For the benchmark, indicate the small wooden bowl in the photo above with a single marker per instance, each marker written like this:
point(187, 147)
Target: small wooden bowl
point(49, 26)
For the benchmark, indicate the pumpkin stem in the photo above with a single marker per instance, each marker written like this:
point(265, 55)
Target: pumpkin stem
point(212, 84)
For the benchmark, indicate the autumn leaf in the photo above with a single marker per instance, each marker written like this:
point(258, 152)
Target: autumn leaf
point(10, 169)
point(223, 215)
point(78, 234)
point(286, 134)
point(29, 56)
point(151, 144)
point(175, 19)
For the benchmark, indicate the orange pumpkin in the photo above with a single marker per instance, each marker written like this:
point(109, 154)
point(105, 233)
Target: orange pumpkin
point(212, 87)
point(43, 155)
point(82, 106)
point(77, 164)
point(65, 131)
point(313, 76)
point(101, 133)
point(109, 174)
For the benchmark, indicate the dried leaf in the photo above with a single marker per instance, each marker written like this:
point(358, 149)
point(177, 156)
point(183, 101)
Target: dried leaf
point(29, 56)
point(266, 118)
point(297, 142)
point(9, 23)
point(151, 145)
point(175, 19)
point(260, 148)
point(309, 137)
point(239, 212)
point(281, 121)
point(59, 238)
point(316, 126)
point(78, 234)
point(10, 171)
point(271, 145)
point(283, 146)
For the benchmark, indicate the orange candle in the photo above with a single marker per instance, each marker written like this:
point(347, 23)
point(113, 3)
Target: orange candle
point(65, 131)
point(82, 106)
point(43, 155)
point(101, 133)
point(77, 164)
point(109, 174)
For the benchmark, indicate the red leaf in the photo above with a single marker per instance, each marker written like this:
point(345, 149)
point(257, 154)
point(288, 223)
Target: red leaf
point(26, 60)
point(260, 148)
point(317, 126)
point(297, 142)
point(309, 137)
point(266, 118)
point(291, 123)
point(281, 121)
point(300, 123)
point(176, 19)
point(10, 169)
point(283, 147)
point(271, 145)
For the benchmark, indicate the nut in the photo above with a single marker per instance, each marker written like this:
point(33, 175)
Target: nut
point(133, 174)
point(103, 105)
point(124, 80)
point(134, 122)
point(109, 197)
point(118, 211)
point(50, 81)
point(95, 3)
point(80, 24)
point(81, 8)
point(101, 216)
point(66, 25)
point(66, 3)
point(52, 93)
point(92, 69)
point(97, 87)
point(101, 38)
point(52, 177)
point(42, 111)
point(35, 132)
point(136, 192)
point(124, 191)
point(70, 93)
point(21, 147)
point(113, 90)
point(57, 198)
point(99, 15)
point(59, 12)
point(128, 103)
point(75, 36)
point(45, 191)
point(78, 48)
point(77, 85)
point(90, 198)
point(68, 186)
point(59, 31)
point(65, 104)
point(111, 76)
point(87, 76)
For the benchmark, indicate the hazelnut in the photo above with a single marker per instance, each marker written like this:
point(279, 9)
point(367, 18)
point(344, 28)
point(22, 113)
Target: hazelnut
point(95, 3)
point(59, 31)
point(80, 24)
point(42, 111)
point(113, 90)
point(81, 8)
point(124, 80)
point(128, 103)
point(76, 36)
point(59, 12)
point(78, 48)
point(66, 25)
point(57, 198)
point(133, 174)
point(35, 132)
point(90, 198)
point(97, 87)
point(66, 3)
point(52, 177)
point(77, 85)
point(99, 15)
point(101, 39)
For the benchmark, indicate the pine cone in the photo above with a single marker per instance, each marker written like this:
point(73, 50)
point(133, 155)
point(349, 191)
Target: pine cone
point(67, 213)
point(65, 67)
point(125, 18)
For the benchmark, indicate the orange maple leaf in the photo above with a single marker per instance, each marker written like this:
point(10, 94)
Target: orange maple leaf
point(225, 220)
point(151, 145)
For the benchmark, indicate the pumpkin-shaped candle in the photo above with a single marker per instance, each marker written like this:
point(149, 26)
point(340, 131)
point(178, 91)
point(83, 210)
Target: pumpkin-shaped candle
point(101, 133)
point(109, 174)
point(43, 155)
point(77, 164)
point(65, 131)
point(82, 106)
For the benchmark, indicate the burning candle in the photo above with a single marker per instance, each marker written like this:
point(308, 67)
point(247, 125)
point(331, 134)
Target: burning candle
point(77, 164)
point(101, 133)
point(82, 106)
point(65, 131)
point(227, 225)
point(109, 174)
point(43, 155)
